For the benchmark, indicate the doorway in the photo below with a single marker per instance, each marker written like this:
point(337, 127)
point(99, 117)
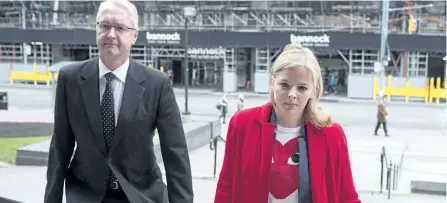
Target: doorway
point(80, 54)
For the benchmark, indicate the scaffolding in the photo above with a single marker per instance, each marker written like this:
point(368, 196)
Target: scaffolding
point(417, 64)
point(37, 53)
point(256, 16)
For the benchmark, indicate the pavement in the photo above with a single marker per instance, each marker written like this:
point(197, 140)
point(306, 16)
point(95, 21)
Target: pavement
point(417, 135)
point(247, 95)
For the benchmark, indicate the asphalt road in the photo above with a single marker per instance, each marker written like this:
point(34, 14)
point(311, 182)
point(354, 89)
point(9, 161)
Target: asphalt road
point(360, 113)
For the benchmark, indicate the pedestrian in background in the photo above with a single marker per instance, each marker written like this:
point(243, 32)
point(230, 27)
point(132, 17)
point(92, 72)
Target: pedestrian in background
point(240, 103)
point(222, 107)
point(381, 117)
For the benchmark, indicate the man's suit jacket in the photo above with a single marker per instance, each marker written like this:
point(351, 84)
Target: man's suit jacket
point(148, 103)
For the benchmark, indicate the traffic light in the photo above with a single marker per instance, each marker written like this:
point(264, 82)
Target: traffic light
point(412, 25)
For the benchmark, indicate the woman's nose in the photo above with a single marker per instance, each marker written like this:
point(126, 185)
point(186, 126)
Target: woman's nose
point(293, 94)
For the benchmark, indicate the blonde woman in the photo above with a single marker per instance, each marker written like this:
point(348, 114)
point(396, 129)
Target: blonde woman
point(288, 150)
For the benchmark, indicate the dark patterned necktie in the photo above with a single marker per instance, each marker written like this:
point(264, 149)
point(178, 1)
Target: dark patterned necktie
point(108, 117)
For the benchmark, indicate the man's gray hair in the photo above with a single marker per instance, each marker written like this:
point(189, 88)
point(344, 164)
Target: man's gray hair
point(126, 4)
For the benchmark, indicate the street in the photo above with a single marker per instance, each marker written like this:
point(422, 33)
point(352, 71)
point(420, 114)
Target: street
point(363, 114)
point(416, 143)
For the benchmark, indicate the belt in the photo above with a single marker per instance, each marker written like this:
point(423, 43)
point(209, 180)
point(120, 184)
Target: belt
point(114, 186)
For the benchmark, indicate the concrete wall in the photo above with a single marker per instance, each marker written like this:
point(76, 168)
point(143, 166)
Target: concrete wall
point(198, 133)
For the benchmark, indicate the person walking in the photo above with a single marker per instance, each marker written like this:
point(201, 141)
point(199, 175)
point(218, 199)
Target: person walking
point(287, 150)
point(240, 103)
point(381, 118)
point(223, 107)
point(110, 106)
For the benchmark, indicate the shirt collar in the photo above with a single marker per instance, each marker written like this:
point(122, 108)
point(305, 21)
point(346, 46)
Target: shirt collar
point(120, 72)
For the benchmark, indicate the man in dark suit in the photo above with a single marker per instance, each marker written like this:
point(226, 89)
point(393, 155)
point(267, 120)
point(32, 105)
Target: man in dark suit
point(110, 106)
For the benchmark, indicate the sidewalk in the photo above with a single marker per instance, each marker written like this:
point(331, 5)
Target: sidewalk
point(248, 95)
point(328, 98)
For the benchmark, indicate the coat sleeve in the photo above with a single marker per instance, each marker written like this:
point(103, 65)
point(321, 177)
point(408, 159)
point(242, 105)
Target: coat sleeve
point(225, 183)
point(348, 193)
point(174, 149)
point(61, 147)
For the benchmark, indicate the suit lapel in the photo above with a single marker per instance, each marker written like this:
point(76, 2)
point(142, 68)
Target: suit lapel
point(317, 148)
point(133, 92)
point(89, 86)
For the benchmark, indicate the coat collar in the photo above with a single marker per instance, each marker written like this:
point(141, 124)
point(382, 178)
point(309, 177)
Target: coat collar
point(316, 146)
point(264, 116)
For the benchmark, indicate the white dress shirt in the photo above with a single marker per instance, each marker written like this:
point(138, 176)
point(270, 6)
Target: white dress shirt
point(117, 84)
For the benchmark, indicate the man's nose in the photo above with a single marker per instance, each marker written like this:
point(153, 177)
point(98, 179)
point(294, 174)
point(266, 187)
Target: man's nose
point(112, 33)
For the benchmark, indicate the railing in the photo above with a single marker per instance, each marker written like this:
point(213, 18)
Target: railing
point(393, 172)
point(431, 90)
point(236, 28)
point(213, 147)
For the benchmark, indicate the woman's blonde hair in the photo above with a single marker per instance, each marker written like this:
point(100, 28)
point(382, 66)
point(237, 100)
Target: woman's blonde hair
point(296, 56)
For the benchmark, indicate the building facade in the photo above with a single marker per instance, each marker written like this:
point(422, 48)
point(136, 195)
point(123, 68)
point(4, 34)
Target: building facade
point(230, 44)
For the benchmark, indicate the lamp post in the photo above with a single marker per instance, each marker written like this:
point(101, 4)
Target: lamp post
point(188, 12)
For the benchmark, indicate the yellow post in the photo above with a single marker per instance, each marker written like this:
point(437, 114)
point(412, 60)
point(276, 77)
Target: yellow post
point(47, 65)
point(407, 87)
point(374, 87)
point(162, 69)
point(427, 91)
point(11, 71)
point(35, 72)
point(431, 89)
point(438, 87)
point(388, 85)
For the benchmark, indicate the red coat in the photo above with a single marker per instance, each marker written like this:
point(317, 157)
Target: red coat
point(245, 175)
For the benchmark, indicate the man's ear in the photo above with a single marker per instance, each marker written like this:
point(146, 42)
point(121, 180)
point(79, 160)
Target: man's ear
point(135, 36)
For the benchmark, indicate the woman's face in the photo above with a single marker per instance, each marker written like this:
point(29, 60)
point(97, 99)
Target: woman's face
point(292, 88)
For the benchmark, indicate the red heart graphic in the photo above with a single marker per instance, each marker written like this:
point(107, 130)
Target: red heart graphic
point(284, 177)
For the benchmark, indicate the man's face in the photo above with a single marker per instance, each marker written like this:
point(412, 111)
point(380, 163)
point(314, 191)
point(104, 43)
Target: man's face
point(115, 32)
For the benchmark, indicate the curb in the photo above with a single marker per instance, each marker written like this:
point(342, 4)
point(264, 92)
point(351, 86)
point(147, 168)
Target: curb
point(5, 165)
point(6, 200)
point(428, 187)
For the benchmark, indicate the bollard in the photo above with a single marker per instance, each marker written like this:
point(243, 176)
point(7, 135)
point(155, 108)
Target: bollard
point(215, 158)
point(395, 174)
point(381, 172)
point(3, 101)
point(211, 130)
point(388, 179)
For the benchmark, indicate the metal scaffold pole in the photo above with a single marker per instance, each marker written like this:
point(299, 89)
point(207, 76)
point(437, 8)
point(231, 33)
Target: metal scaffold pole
point(383, 42)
